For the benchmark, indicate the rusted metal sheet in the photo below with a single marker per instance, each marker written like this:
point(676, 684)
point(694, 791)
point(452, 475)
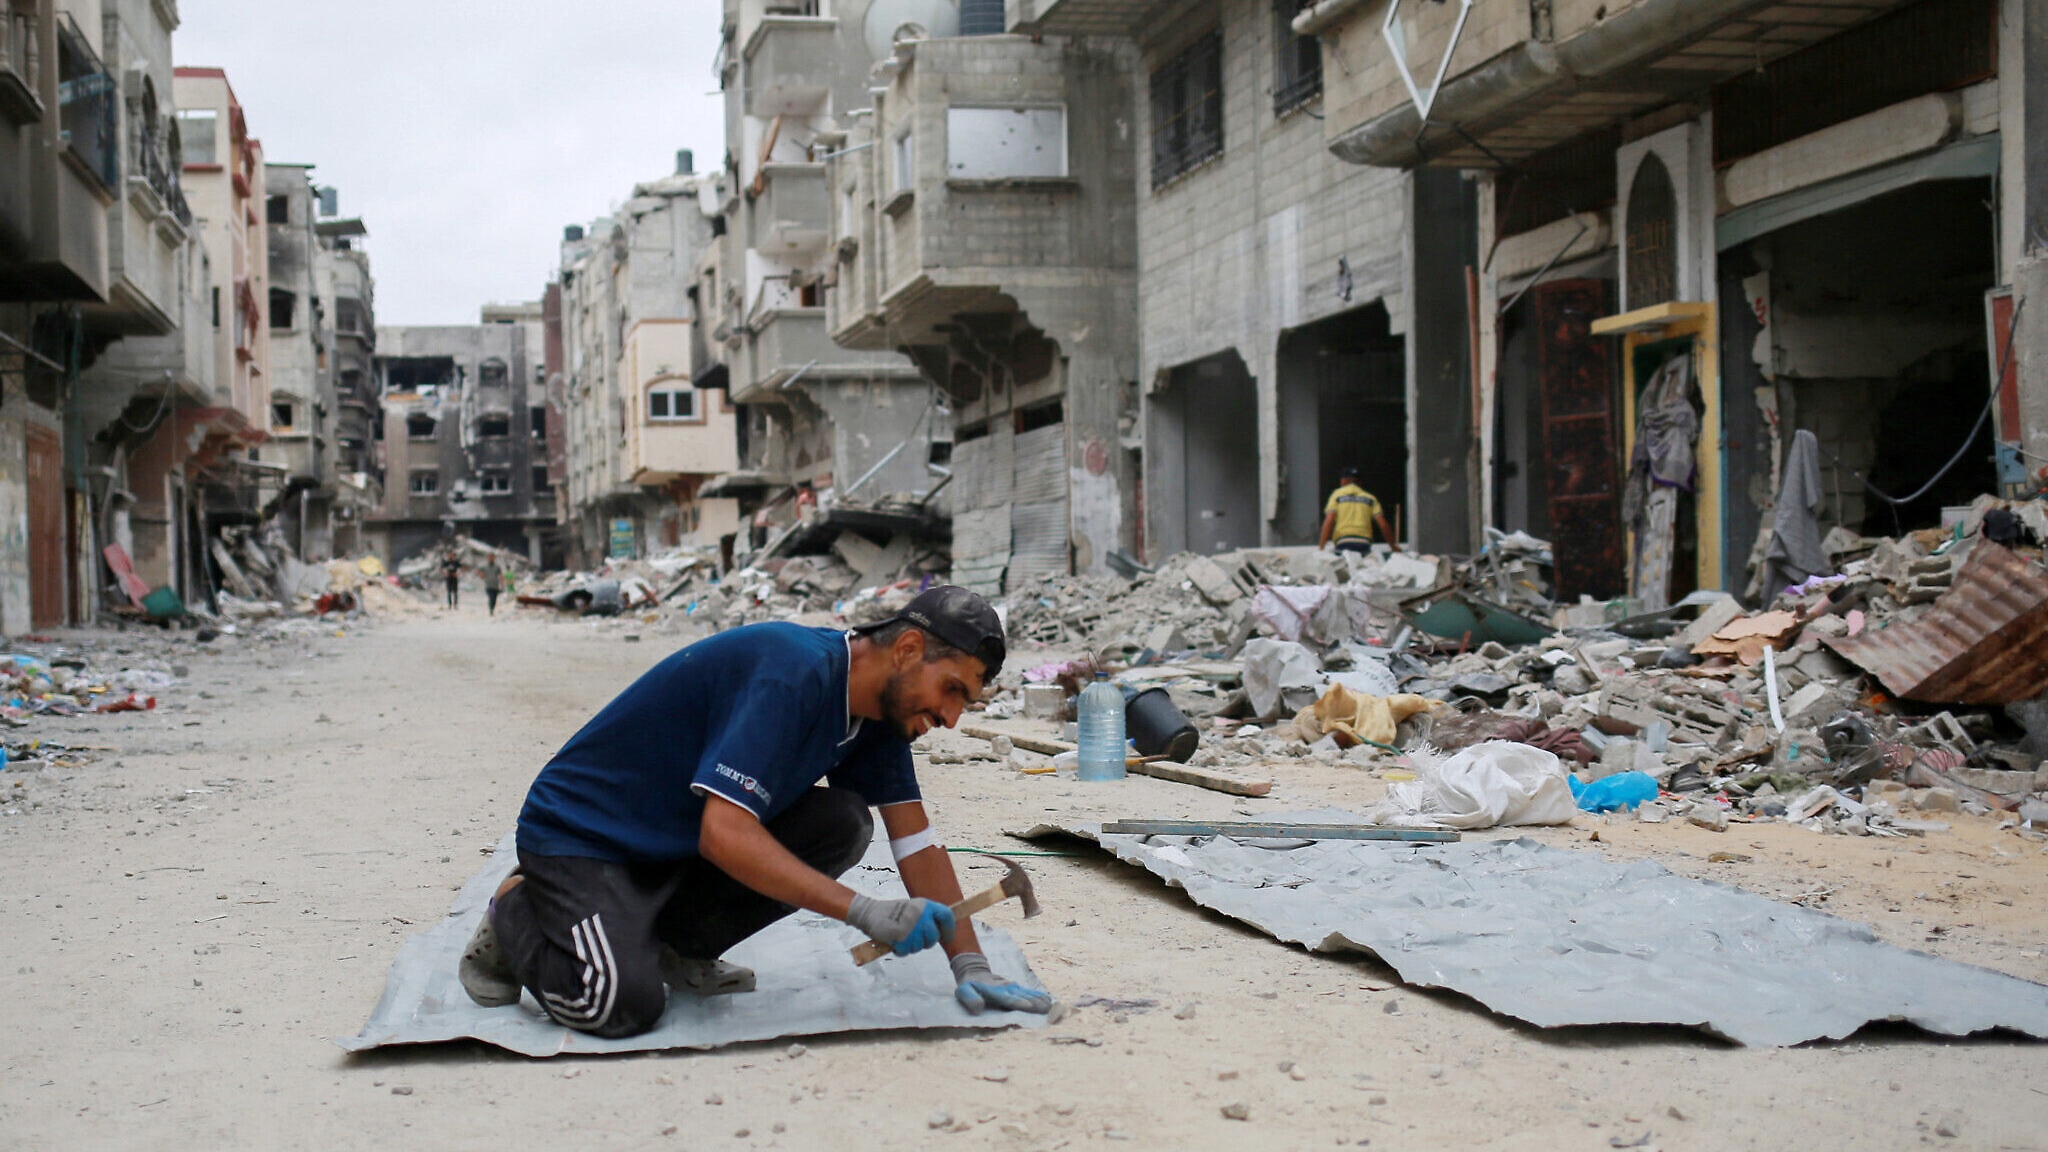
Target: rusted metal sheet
point(1984, 642)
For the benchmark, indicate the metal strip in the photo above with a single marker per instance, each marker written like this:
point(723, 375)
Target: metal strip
point(1977, 156)
point(1258, 830)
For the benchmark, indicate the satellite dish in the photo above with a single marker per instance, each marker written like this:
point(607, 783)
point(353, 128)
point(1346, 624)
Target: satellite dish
point(888, 21)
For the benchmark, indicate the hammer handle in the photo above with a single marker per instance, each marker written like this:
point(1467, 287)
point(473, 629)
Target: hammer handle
point(981, 901)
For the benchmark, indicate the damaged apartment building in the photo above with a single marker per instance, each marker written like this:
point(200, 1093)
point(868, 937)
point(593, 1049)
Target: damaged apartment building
point(642, 432)
point(1708, 224)
point(319, 310)
point(134, 351)
point(463, 439)
point(1296, 314)
point(984, 224)
point(848, 422)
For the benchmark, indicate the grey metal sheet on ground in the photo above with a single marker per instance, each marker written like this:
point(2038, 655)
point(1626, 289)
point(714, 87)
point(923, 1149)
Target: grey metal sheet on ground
point(1561, 937)
point(807, 985)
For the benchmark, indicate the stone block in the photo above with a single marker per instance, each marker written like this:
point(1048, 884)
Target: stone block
point(1937, 800)
point(1044, 701)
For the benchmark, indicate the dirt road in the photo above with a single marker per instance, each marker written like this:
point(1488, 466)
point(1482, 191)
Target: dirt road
point(192, 919)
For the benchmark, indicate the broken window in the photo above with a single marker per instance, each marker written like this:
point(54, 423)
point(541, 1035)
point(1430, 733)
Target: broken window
point(419, 427)
point(277, 210)
point(540, 479)
point(196, 137)
point(998, 143)
point(1187, 109)
point(495, 426)
point(423, 482)
point(1297, 60)
point(495, 482)
point(672, 404)
point(281, 414)
point(537, 420)
point(282, 306)
point(492, 373)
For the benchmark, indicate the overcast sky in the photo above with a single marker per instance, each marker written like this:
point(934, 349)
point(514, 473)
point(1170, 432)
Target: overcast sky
point(465, 133)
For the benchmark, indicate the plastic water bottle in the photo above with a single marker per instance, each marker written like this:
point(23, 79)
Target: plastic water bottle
point(1102, 731)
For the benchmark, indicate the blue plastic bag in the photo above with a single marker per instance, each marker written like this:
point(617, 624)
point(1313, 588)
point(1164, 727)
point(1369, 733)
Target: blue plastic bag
point(1621, 790)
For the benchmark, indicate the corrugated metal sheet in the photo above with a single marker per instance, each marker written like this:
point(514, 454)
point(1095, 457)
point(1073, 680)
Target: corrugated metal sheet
point(1984, 642)
point(1038, 519)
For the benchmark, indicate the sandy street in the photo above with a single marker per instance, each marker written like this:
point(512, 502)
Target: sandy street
point(193, 918)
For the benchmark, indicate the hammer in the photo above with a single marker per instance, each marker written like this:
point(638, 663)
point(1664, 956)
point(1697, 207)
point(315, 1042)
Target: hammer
point(1015, 882)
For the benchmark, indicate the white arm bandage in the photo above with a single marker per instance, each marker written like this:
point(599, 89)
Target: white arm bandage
point(909, 845)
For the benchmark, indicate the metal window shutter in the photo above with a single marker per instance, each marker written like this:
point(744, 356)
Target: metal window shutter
point(1038, 513)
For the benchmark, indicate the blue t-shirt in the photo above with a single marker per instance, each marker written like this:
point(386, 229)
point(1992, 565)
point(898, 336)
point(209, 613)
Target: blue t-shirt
point(757, 715)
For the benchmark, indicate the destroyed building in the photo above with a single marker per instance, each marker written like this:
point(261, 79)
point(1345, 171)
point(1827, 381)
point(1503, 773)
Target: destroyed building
point(458, 436)
point(642, 434)
point(985, 224)
point(1295, 315)
point(1818, 222)
point(814, 413)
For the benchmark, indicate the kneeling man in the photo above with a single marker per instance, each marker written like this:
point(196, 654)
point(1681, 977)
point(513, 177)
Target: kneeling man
point(689, 815)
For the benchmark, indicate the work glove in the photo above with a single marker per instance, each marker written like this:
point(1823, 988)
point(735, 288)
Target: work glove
point(908, 925)
point(979, 988)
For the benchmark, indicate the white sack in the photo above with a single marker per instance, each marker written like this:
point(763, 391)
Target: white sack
point(1485, 786)
point(1288, 611)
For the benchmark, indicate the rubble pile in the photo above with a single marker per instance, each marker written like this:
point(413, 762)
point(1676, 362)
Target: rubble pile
point(1912, 681)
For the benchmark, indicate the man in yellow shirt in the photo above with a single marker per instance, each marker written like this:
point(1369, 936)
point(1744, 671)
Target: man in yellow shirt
point(1350, 515)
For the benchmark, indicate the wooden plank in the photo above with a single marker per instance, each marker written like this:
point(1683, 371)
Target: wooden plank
point(1027, 743)
point(1262, 830)
point(1199, 777)
point(1157, 769)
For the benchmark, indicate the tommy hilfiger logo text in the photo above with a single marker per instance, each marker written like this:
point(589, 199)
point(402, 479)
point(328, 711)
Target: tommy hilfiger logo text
point(746, 782)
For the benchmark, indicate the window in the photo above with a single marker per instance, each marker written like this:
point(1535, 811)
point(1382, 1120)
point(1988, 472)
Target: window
point(495, 426)
point(419, 427)
point(495, 483)
point(196, 137)
point(216, 306)
point(906, 161)
point(88, 105)
point(281, 414)
point(1187, 109)
point(277, 210)
point(423, 482)
point(540, 480)
point(282, 305)
point(537, 420)
point(994, 143)
point(672, 404)
point(1297, 60)
point(493, 373)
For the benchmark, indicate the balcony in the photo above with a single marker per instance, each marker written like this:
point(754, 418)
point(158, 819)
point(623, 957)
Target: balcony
point(1522, 78)
point(790, 213)
point(790, 65)
point(791, 340)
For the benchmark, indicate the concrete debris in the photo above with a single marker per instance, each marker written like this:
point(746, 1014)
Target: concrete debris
point(1260, 642)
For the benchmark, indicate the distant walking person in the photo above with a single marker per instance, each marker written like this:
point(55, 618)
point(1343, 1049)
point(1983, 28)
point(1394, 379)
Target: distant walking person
point(451, 571)
point(494, 583)
point(1350, 516)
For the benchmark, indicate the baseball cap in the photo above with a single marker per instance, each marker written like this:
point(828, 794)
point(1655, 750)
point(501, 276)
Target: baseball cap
point(958, 617)
point(1347, 473)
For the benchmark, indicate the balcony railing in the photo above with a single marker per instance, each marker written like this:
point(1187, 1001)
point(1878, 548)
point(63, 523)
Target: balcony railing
point(20, 78)
point(86, 99)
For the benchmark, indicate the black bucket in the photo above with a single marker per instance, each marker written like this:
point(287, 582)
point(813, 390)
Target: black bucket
point(1157, 727)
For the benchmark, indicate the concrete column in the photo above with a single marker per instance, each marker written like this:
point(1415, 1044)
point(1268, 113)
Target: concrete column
point(2030, 354)
point(1443, 241)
